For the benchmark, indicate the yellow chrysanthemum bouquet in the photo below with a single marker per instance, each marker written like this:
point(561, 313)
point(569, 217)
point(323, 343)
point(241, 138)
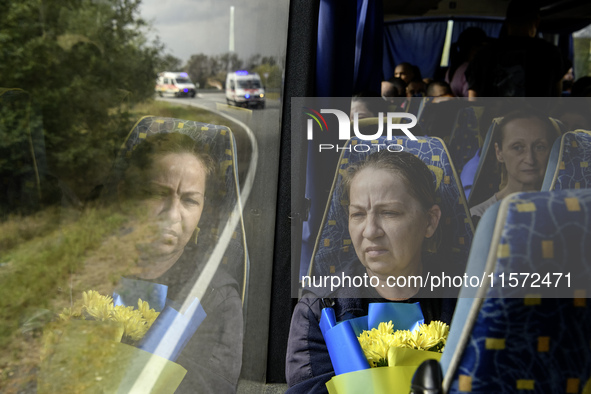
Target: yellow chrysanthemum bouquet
point(371, 355)
point(380, 343)
point(102, 345)
point(134, 323)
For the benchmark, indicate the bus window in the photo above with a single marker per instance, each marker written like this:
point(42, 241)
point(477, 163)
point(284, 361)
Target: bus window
point(582, 52)
point(115, 185)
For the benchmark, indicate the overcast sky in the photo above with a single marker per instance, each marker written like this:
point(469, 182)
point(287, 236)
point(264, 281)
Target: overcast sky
point(190, 27)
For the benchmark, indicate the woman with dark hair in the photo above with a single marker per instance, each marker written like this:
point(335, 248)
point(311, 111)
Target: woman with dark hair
point(522, 147)
point(165, 187)
point(393, 217)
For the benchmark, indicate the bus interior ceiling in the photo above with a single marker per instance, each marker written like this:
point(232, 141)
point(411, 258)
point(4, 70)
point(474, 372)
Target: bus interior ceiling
point(550, 9)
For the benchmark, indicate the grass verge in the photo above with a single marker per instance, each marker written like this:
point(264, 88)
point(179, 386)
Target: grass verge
point(179, 111)
point(35, 267)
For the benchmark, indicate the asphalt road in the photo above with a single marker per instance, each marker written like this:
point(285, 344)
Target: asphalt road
point(210, 99)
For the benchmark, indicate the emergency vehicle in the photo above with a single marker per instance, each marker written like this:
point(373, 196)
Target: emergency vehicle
point(175, 84)
point(245, 89)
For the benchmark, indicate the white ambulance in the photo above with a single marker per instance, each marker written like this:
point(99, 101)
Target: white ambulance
point(175, 84)
point(245, 89)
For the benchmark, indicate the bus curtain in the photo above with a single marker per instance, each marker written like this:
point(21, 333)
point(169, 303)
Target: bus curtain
point(348, 61)
point(491, 26)
point(418, 43)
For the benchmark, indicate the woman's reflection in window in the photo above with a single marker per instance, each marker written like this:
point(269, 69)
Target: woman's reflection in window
point(166, 186)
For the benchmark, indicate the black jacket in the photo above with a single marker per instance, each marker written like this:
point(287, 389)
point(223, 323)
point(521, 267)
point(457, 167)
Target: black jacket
point(308, 365)
point(213, 356)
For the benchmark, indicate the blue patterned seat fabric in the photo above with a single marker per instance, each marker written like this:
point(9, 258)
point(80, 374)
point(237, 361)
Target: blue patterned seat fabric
point(334, 250)
point(219, 142)
point(573, 170)
point(536, 344)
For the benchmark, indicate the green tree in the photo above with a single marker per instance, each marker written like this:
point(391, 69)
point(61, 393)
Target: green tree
point(270, 60)
point(210, 71)
point(199, 68)
point(170, 63)
point(270, 75)
point(82, 63)
point(253, 61)
point(230, 62)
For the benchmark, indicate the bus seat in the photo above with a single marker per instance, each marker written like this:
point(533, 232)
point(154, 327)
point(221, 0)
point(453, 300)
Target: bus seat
point(412, 105)
point(220, 208)
point(502, 339)
point(488, 174)
point(465, 137)
point(426, 102)
point(469, 172)
point(333, 249)
point(437, 119)
point(552, 163)
point(568, 166)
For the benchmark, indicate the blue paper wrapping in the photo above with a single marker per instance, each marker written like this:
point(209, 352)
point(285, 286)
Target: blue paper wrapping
point(359, 324)
point(341, 340)
point(328, 320)
point(343, 347)
point(403, 316)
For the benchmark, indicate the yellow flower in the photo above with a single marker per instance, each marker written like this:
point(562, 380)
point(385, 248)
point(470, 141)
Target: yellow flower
point(69, 313)
point(436, 329)
point(385, 328)
point(148, 314)
point(134, 325)
point(438, 332)
point(376, 342)
point(402, 338)
point(96, 305)
point(420, 341)
point(135, 322)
